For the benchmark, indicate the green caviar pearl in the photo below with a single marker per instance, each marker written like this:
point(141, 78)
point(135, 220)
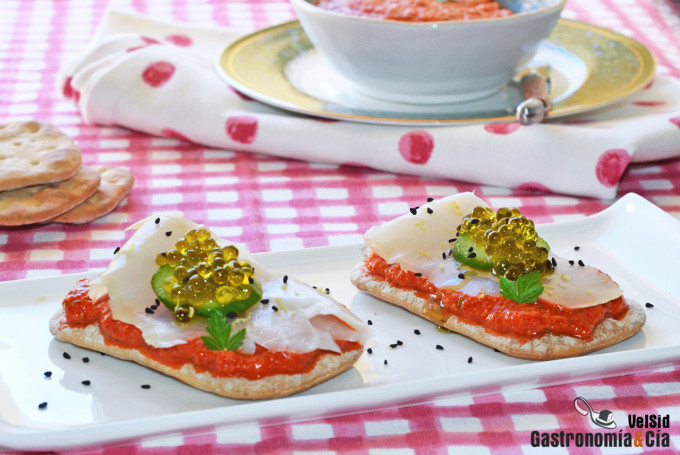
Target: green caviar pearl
point(230, 252)
point(236, 277)
point(243, 291)
point(195, 281)
point(184, 313)
point(208, 245)
point(180, 272)
point(169, 283)
point(224, 295)
point(192, 256)
point(220, 276)
point(178, 293)
point(247, 269)
point(203, 270)
point(182, 246)
point(173, 258)
point(161, 259)
point(202, 235)
point(190, 236)
point(503, 213)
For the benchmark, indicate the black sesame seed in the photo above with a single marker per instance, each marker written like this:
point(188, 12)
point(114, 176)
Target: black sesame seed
point(469, 359)
point(285, 279)
point(66, 355)
point(148, 310)
point(413, 211)
point(370, 322)
point(42, 405)
point(580, 262)
point(145, 386)
point(416, 331)
point(385, 362)
point(158, 220)
point(471, 249)
point(154, 307)
point(369, 350)
point(393, 345)
point(440, 347)
point(168, 234)
point(116, 250)
point(274, 308)
point(85, 382)
point(474, 221)
point(231, 315)
point(554, 262)
point(430, 199)
point(571, 262)
point(450, 253)
point(250, 280)
point(158, 302)
point(264, 301)
point(576, 248)
point(186, 278)
point(472, 255)
point(48, 374)
point(461, 276)
point(418, 274)
point(328, 291)
point(649, 305)
point(400, 343)
point(86, 359)
point(452, 240)
point(443, 255)
point(429, 210)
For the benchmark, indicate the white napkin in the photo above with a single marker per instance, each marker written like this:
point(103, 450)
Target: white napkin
point(159, 78)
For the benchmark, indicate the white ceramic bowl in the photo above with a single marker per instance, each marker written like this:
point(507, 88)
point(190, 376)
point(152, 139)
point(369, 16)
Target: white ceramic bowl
point(429, 62)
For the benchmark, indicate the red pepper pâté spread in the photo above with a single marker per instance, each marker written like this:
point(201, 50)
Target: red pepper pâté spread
point(497, 314)
point(417, 10)
point(82, 311)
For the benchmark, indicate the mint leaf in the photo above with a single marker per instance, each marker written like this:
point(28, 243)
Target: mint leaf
point(527, 288)
point(237, 340)
point(220, 338)
point(508, 289)
point(218, 328)
point(211, 344)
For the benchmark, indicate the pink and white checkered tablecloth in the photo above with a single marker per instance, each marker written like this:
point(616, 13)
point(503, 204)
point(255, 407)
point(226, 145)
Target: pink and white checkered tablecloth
point(275, 204)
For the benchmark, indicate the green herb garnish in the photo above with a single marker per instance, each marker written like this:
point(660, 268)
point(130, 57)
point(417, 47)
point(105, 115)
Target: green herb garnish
point(220, 338)
point(527, 288)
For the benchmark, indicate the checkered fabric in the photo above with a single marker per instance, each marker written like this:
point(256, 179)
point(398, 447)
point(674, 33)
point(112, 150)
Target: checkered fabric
point(275, 204)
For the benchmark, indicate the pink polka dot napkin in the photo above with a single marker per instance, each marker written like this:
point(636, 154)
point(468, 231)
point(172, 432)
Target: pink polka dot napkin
point(159, 78)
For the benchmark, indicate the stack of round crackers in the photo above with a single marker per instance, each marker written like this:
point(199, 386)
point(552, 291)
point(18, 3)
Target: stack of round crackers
point(42, 179)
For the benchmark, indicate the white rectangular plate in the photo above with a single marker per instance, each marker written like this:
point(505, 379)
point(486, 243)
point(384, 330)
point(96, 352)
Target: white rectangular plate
point(633, 241)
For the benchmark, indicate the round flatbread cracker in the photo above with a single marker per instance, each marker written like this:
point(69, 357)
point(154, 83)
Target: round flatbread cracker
point(39, 203)
point(116, 183)
point(33, 153)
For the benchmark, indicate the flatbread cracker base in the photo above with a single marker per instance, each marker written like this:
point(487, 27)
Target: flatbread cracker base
point(33, 153)
point(116, 183)
point(39, 203)
point(280, 385)
point(548, 347)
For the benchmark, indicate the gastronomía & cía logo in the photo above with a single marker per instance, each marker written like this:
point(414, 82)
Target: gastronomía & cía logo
point(645, 431)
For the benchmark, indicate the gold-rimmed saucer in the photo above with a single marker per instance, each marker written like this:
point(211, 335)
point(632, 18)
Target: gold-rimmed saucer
point(590, 67)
